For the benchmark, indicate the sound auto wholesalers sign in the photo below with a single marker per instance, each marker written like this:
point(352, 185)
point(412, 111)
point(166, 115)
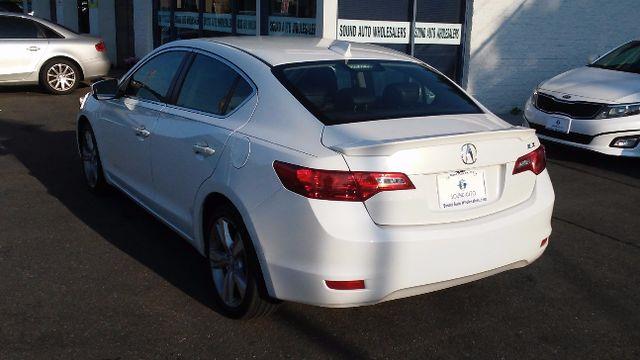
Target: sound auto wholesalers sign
point(397, 32)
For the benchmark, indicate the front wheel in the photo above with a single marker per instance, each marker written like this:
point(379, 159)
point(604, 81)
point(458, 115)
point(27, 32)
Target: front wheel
point(91, 163)
point(60, 76)
point(235, 271)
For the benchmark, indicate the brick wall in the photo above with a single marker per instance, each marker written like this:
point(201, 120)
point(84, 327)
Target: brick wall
point(516, 44)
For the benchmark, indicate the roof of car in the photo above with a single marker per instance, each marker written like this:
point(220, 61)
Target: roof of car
point(278, 50)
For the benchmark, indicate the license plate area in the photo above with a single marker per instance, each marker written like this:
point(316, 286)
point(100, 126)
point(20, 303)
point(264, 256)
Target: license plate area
point(559, 124)
point(462, 189)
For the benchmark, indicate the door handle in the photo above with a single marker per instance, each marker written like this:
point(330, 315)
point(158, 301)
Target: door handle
point(33, 48)
point(203, 149)
point(141, 132)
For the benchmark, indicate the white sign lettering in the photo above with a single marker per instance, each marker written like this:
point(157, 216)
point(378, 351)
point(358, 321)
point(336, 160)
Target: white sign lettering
point(397, 32)
point(279, 25)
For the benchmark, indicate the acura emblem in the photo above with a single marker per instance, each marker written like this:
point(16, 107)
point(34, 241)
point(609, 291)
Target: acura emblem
point(469, 154)
point(566, 96)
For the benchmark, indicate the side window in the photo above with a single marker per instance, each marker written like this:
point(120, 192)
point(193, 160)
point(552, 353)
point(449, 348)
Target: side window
point(49, 33)
point(153, 79)
point(18, 28)
point(212, 86)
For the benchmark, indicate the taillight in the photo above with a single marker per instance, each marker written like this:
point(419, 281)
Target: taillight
point(535, 161)
point(338, 185)
point(345, 285)
point(101, 47)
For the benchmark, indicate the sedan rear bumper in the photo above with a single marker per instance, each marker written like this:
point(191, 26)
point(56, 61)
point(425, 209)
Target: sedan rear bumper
point(96, 68)
point(306, 242)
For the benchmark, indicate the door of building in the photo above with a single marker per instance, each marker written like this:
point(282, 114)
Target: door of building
point(125, 46)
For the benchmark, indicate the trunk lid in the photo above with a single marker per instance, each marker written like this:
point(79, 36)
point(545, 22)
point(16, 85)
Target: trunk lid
point(430, 152)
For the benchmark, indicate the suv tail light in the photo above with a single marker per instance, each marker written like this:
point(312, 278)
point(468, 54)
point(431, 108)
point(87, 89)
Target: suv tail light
point(536, 161)
point(338, 185)
point(101, 47)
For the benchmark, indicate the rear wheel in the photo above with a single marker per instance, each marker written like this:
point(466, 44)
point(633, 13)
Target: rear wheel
point(60, 76)
point(234, 268)
point(91, 163)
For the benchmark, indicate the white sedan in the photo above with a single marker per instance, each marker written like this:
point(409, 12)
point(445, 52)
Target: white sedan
point(320, 172)
point(36, 51)
point(595, 107)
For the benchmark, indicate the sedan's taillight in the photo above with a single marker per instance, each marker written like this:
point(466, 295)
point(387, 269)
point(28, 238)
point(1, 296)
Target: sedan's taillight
point(101, 47)
point(535, 161)
point(338, 185)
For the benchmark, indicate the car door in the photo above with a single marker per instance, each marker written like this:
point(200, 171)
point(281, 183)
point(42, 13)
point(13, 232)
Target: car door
point(214, 99)
point(128, 122)
point(22, 45)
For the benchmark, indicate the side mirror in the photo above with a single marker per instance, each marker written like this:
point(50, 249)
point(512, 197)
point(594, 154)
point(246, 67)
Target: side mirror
point(105, 89)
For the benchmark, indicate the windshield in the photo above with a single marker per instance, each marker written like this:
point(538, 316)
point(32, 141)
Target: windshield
point(340, 92)
point(625, 58)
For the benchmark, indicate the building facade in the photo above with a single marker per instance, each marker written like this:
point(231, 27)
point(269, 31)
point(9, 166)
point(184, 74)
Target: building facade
point(498, 49)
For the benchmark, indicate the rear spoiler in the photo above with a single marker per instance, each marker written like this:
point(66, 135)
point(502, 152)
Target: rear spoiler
point(391, 146)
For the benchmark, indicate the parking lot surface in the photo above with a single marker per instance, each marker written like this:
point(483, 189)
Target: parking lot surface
point(99, 278)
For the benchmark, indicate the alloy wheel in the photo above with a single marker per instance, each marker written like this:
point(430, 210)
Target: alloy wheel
point(90, 160)
point(61, 77)
point(228, 262)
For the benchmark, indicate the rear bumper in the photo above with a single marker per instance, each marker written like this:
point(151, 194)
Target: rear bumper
point(306, 242)
point(96, 68)
point(594, 135)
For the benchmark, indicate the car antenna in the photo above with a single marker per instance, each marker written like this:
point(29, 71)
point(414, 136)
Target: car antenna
point(341, 47)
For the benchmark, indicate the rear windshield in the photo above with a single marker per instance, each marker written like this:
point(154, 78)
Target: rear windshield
point(625, 58)
point(340, 92)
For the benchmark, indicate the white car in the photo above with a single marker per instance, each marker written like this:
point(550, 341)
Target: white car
point(36, 51)
point(596, 107)
point(319, 172)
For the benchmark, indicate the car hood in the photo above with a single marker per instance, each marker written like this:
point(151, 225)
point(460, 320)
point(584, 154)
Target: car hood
point(597, 84)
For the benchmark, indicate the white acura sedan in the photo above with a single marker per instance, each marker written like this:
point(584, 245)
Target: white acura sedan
point(320, 172)
point(595, 107)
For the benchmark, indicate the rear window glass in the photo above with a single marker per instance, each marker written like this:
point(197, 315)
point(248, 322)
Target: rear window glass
point(340, 92)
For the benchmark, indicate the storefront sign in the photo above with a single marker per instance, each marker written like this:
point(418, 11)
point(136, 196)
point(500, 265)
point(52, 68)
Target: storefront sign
point(186, 20)
point(397, 32)
point(246, 24)
point(380, 32)
point(438, 33)
point(164, 18)
point(280, 25)
point(217, 22)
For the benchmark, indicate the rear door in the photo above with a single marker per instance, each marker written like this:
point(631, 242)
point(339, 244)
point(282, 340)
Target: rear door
point(22, 45)
point(214, 99)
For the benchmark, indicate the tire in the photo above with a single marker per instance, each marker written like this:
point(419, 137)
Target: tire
point(91, 162)
point(60, 76)
point(233, 265)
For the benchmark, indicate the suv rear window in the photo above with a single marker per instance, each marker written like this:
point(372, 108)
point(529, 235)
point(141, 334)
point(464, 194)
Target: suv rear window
point(341, 92)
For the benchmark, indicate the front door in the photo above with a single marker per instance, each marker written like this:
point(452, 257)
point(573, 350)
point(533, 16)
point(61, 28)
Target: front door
point(22, 45)
point(191, 135)
point(129, 122)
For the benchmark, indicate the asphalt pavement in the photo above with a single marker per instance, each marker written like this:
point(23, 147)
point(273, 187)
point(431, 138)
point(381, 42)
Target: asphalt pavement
point(86, 277)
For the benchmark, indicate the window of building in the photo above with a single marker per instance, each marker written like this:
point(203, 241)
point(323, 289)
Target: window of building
point(213, 87)
point(164, 21)
point(292, 17)
point(186, 19)
point(217, 18)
